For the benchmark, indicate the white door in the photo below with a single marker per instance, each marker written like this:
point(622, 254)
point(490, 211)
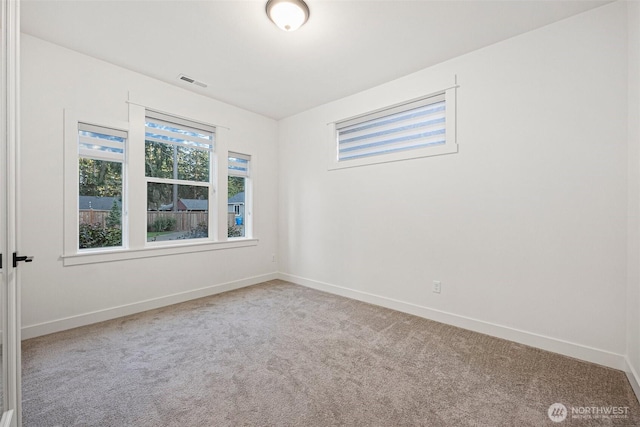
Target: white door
point(10, 277)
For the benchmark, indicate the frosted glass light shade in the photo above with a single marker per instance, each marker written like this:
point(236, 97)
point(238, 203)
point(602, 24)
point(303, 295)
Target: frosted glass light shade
point(288, 15)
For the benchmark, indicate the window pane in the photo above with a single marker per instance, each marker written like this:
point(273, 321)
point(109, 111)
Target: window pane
point(101, 142)
point(95, 143)
point(100, 203)
point(161, 159)
point(236, 207)
point(238, 166)
point(419, 127)
point(158, 159)
point(193, 164)
point(181, 134)
point(176, 212)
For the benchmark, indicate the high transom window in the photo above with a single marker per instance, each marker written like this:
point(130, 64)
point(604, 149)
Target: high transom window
point(417, 128)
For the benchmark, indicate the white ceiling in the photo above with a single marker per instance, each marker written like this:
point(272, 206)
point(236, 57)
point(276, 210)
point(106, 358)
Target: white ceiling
point(346, 47)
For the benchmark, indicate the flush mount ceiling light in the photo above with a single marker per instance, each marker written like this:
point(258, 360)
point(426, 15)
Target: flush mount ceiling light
point(288, 15)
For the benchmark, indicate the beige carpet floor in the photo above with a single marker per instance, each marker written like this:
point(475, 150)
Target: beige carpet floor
point(277, 354)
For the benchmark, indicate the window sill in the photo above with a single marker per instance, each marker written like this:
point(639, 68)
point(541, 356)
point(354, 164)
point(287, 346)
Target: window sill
point(153, 251)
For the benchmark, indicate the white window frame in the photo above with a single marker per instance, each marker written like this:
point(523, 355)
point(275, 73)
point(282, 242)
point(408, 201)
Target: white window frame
point(134, 208)
point(211, 183)
point(107, 156)
point(71, 227)
point(248, 192)
point(450, 145)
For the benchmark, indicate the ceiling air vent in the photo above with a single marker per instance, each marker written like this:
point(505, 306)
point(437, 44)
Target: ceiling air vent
point(192, 81)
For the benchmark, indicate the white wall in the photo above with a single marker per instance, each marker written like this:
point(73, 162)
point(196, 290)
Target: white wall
point(56, 297)
point(633, 289)
point(525, 226)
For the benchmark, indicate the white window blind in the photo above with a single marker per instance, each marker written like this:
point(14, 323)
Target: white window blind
point(413, 125)
point(172, 130)
point(97, 142)
point(239, 164)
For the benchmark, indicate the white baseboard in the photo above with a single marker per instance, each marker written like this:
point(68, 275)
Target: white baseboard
point(32, 331)
point(634, 378)
point(566, 348)
point(578, 351)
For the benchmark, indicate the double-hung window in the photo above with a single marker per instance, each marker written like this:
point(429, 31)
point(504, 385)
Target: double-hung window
point(101, 159)
point(239, 191)
point(418, 128)
point(178, 171)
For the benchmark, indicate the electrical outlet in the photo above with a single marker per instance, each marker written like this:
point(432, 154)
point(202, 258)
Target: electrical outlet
point(437, 286)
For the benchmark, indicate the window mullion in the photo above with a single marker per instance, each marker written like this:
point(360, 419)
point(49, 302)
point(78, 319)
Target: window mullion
point(136, 183)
